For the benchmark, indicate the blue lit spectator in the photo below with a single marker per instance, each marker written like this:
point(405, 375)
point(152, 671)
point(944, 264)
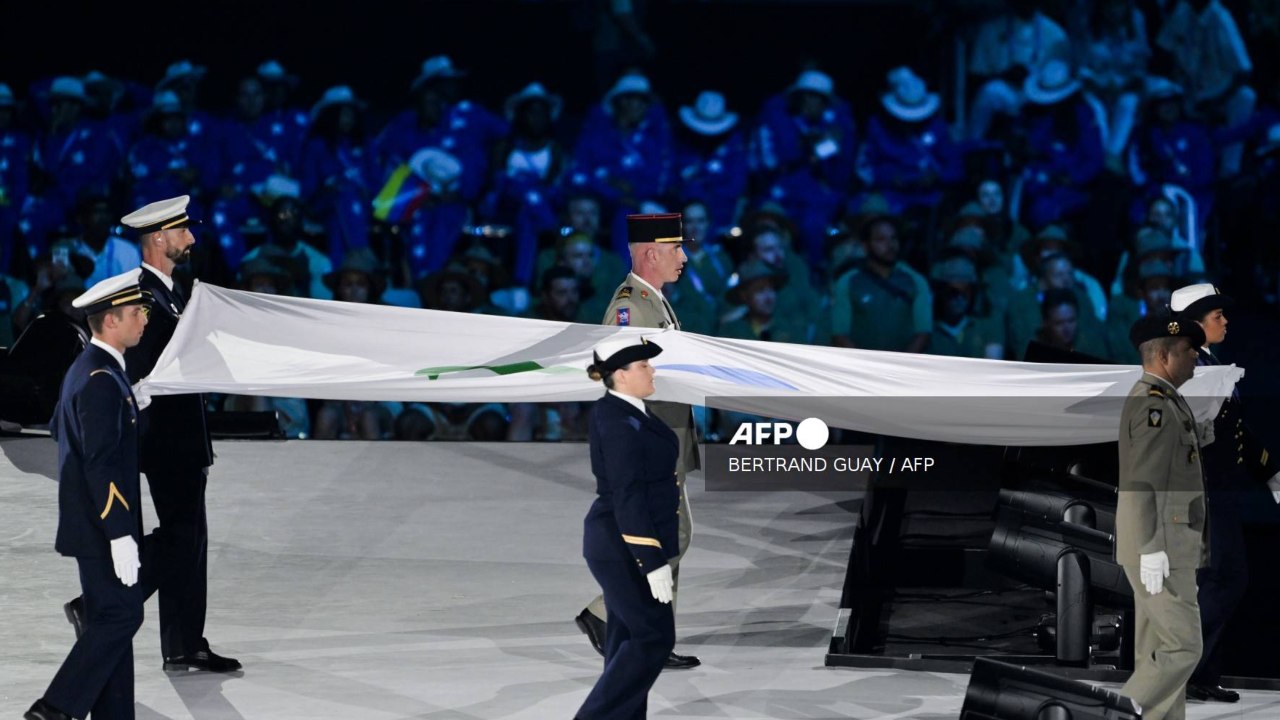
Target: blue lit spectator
point(1006, 50)
point(882, 303)
point(109, 253)
point(283, 127)
point(1171, 149)
point(247, 150)
point(338, 173)
point(15, 149)
point(1060, 146)
point(711, 160)
point(959, 330)
point(1213, 66)
point(117, 103)
point(460, 133)
point(72, 153)
point(307, 265)
point(527, 171)
point(624, 153)
point(709, 266)
point(183, 78)
point(805, 150)
point(598, 270)
point(168, 160)
point(908, 155)
point(1112, 56)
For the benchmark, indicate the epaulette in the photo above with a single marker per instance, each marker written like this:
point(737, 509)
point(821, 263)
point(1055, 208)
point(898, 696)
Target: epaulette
point(1154, 391)
point(624, 293)
point(99, 370)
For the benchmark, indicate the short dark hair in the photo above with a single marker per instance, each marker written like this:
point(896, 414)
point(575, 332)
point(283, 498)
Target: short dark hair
point(554, 273)
point(1058, 296)
point(96, 320)
point(864, 230)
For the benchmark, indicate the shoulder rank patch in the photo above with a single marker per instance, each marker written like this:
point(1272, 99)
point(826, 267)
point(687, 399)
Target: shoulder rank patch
point(99, 370)
point(1155, 392)
point(1154, 417)
point(623, 294)
point(624, 316)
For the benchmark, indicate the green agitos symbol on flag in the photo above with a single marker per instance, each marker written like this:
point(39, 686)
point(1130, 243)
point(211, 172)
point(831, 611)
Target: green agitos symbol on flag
point(434, 373)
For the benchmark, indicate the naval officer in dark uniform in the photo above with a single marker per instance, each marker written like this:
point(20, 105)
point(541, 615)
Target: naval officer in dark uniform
point(1232, 464)
point(176, 451)
point(630, 534)
point(100, 508)
point(1162, 520)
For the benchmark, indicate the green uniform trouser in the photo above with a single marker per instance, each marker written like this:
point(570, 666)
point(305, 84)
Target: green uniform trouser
point(1166, 644)
point(684, 533)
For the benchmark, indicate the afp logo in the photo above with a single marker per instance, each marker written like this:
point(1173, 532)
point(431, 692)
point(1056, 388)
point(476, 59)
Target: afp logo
point(811, 433)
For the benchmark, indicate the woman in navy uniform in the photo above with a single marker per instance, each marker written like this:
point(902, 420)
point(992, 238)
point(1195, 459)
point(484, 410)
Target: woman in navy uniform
point(631, 530)
point(100, 508)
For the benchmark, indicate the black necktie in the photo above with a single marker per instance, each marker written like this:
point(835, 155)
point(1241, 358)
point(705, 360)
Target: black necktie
point(179, 300)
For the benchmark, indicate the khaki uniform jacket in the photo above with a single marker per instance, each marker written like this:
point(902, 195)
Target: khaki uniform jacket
point(636, 305)
point(1162, 502)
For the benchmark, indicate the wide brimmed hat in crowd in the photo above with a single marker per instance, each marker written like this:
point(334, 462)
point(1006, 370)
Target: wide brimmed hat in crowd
point(1161, 325)
point(1155, 269)
point(1161, 88)
point(69, 88)
point(618, 352)
point(709, 115)
point(1196, 300)
point(263, 266)
point(532, 92)
point(814, 81)
point(749, 272)
point(181, 71)
point(165, 102)
point(908, 99)
point(1050, 84)
point(958, 269)
point(968, 237)
point(629, 84)
point(273, 72)
point(437, 167)
point(360, 260)
point(439, 67)
point(336, 96)
point(6, 96)
point(1151, 240)
point(429, 287)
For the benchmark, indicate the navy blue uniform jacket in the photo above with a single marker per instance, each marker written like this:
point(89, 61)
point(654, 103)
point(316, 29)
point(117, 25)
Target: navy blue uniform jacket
point(633, 456)
point(96, 426)
point(175, 435)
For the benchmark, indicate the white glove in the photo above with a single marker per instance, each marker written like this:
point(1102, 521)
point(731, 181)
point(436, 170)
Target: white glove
point(1274, 486)
point(1153, 570)
point(141, 395)
point(124, 555)
point(661, 584)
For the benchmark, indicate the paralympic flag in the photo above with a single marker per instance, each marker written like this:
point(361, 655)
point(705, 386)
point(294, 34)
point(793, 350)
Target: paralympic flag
point(231, 341)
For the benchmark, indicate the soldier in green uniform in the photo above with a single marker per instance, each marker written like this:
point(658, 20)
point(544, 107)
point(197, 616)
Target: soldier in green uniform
point(882, 304)
point(1161, 514)
point(657, 258)
point(957, 331)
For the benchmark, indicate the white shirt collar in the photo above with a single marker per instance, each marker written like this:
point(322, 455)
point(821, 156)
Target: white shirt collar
point(110, 351)
point(168, 281)
point(635, 402)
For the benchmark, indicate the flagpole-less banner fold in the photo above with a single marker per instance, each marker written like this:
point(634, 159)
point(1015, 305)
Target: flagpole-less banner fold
point(236, 342)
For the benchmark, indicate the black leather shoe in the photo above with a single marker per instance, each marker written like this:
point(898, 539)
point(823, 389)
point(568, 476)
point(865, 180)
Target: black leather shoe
point(206, 660)
point(593, 627)
point(1215, 693)
point(681, 662)
point(41, 710)
point(76, 615)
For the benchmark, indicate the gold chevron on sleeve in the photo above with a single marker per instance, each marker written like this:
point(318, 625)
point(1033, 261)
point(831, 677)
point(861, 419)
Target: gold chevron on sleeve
point(113, 494)
point(637, 540)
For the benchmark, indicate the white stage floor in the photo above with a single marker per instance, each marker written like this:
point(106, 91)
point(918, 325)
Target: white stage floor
point(435, 580)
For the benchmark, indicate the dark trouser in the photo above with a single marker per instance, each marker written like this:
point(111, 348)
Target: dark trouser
point(642, 633)
point(97, 675)
point(183, 536)
point(1222, 583)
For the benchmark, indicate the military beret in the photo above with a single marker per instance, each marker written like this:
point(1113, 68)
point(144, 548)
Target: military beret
point(1161, 325)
